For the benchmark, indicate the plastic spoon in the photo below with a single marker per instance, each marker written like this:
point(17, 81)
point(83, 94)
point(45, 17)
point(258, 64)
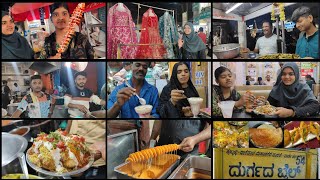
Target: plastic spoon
point(141, 100)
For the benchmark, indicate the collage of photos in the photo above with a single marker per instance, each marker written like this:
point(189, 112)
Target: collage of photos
point(154, 100)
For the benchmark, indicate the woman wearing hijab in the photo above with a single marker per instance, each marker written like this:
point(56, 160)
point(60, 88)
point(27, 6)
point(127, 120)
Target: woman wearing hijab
point(173, 99)
point(292, 98)
point(14, 46)
point(191, 46)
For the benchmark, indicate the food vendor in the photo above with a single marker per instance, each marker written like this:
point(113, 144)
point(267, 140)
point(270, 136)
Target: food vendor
point(266, 44)
point(308, 43)
point(225, 80)
point(14, 46)
point(186, 133)
point(121, 100)
point(94, 133)
point(292, 98)
point(37, 104)
point(77, 98)
point(173, 99)
point(79, 47)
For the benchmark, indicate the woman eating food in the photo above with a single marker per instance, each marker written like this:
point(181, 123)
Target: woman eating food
point(224, 90)
point(292, 98)
point(173, 99)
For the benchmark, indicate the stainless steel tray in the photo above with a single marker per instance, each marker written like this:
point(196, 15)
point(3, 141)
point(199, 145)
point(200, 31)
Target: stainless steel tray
point(122, 175)
point(191, 162)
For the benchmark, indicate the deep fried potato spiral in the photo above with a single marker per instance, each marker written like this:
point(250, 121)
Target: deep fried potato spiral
point(151, 152)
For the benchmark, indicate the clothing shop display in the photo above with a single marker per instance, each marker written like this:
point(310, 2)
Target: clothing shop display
point(169, 34)
point(120, 30)
point(151, 46)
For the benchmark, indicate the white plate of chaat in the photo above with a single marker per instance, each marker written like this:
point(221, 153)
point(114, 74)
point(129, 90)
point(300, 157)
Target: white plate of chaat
point(59, 154)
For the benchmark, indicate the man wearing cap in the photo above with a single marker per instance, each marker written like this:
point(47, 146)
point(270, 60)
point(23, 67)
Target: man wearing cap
point(77, 98)
point(308, 43)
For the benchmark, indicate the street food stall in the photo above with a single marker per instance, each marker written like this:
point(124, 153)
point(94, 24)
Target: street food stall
point(34, 23)
point(45, 151)
point(57, 78)
point(126, 160)
point(253, 163)
point(239, 25)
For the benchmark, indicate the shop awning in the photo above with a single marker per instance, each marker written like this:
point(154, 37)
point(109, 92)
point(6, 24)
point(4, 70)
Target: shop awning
point(30, 11)
point(93, 6)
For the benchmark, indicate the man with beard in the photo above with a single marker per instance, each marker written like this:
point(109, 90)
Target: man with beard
point(36, 104)
point(77, 98)
point(266, 44)
point(308, 43)
point(122, 100)
point(79, 46)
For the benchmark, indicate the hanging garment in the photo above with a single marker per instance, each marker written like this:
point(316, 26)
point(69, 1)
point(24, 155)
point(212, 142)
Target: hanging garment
point(120, 30)
point(169, 34)
point(150, 35)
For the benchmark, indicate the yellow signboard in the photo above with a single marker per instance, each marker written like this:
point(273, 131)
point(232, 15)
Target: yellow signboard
point(254, 163)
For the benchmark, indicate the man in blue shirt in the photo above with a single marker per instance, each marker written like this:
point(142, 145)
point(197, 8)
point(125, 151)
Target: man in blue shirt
point(122, 100)
point(308, 44)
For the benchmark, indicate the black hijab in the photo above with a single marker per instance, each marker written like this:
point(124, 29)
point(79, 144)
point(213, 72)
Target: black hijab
point(296, 94)
point(14, 46)
point(174, 83)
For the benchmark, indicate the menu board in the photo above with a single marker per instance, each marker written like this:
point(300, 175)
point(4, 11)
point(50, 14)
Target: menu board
point(252, 163)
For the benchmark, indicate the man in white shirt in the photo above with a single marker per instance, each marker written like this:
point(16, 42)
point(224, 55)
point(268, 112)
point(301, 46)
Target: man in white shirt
point(120, 76)
point(266, 44)
point(268, 81)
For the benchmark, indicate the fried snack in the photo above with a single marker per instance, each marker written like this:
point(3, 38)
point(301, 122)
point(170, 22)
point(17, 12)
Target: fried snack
point(74, 20)
point(304, 131)
point(151, 153)
point(295, 135)
point(266, 110)
point(315, 129)
point(280, 56)
point(266, 138)
point(287, 137)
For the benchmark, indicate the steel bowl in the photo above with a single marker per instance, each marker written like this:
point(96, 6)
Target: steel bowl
point(226, 51)
point(12, 145)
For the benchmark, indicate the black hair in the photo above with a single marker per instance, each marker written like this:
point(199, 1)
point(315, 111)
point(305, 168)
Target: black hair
point(15, 84)
point(259, 78)
point(312, 79)
point(4, 82)
point(43, 29)
point(55, 6)
point(270, 24)
point(82, 73)
point(35, 77)
point(219, 71)
point(201, 29)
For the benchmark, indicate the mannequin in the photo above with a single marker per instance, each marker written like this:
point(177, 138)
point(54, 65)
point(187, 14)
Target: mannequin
point(120, 7)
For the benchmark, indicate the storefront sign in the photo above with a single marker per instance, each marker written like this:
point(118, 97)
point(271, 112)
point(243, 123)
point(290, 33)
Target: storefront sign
point(306, 69)
point(205, 14)
point(263, 163)
point(196, 20)
point(195, 6)
point(218, 14)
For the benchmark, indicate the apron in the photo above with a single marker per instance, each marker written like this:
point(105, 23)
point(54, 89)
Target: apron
point(174, 131)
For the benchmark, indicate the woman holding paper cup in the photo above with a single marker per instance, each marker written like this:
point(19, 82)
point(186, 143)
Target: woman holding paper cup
point(173, 99)
point(224, 92)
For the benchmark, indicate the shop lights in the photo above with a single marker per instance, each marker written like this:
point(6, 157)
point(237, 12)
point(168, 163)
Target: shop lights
point(233, 7)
